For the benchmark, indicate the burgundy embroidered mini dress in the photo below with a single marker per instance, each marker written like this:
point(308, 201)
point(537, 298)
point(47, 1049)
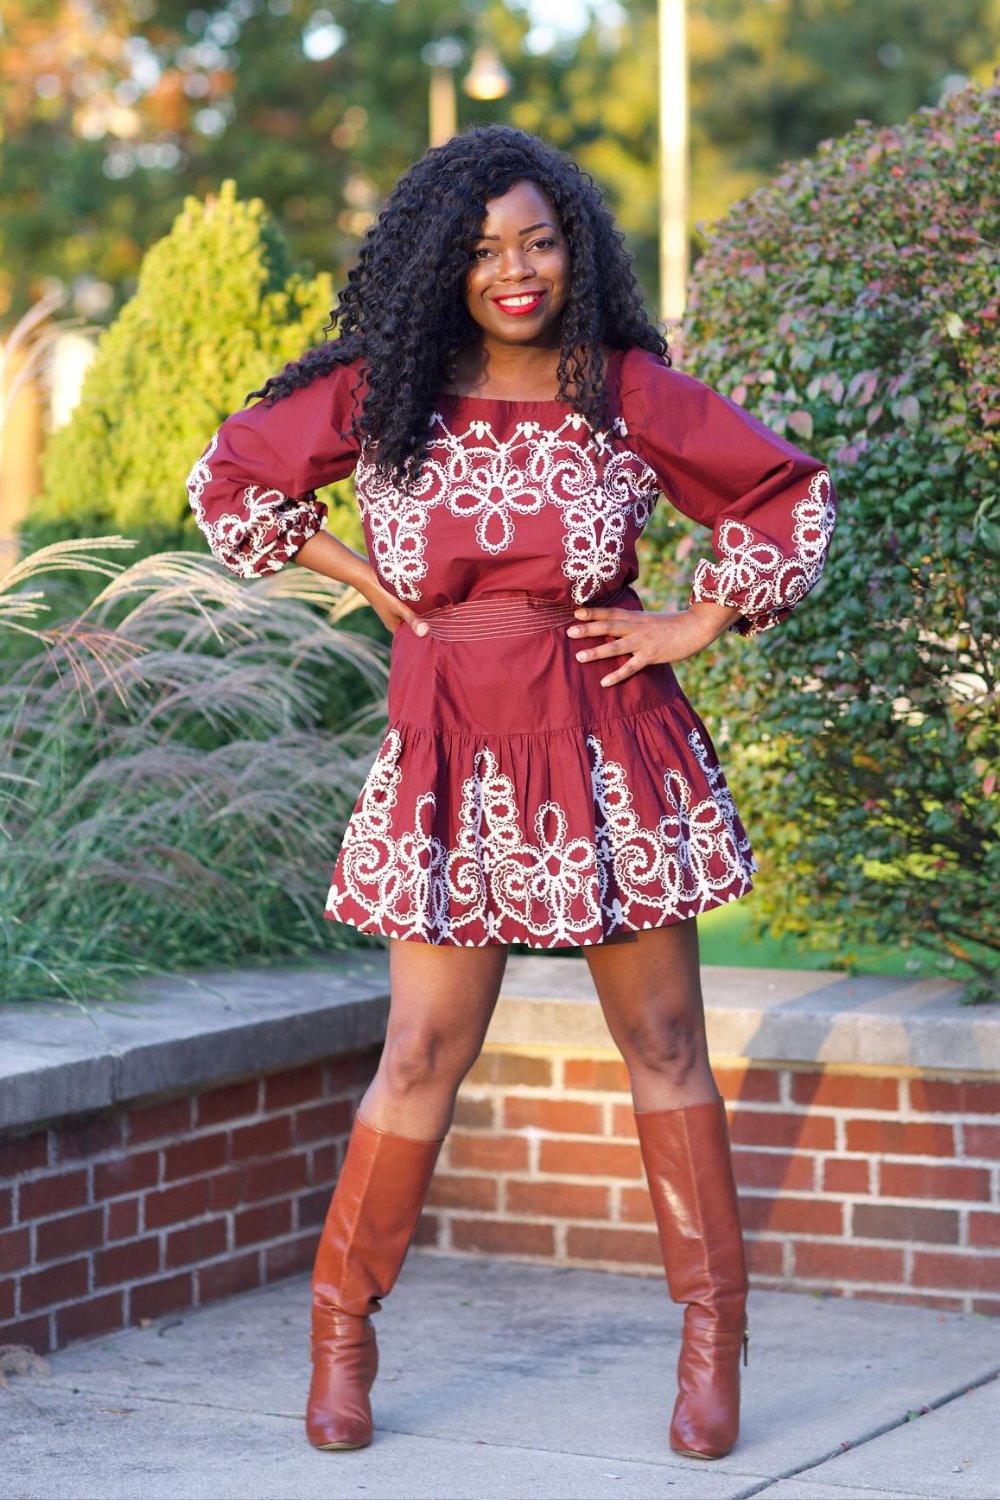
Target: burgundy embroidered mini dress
point(513, 798)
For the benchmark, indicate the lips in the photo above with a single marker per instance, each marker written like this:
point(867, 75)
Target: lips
point(519, 304)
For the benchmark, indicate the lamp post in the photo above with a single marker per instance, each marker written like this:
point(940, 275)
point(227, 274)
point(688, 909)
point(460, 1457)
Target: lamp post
point(487, 78)
point(673, 158)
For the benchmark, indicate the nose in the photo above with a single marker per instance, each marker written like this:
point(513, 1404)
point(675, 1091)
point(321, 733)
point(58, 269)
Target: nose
point(515, 265)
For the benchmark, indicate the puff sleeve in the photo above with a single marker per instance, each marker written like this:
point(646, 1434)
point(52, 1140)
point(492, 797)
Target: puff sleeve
point(253, 490)
point(770, 507)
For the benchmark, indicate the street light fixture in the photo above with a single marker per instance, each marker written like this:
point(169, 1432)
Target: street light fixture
point(487, 78)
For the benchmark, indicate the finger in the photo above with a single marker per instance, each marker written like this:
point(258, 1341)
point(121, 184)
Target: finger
point(604, 627)
point(602, 612)
point(633, 665)
point(416, 623)
point(611, 648)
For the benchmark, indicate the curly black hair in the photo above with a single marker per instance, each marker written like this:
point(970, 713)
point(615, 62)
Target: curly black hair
point(403, 310)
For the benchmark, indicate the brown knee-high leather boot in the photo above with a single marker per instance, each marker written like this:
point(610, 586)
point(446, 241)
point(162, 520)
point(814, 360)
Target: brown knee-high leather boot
point(369, 1225)
point(689, 1167)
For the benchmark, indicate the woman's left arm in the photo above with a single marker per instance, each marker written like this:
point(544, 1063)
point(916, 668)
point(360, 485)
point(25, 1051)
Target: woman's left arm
point(770, 507)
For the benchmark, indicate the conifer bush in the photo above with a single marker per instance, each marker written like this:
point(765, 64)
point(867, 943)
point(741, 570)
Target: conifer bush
point(218, 308)
point(853, 304)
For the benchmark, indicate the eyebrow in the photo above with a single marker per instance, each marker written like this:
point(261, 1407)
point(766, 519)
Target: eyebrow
point(542, 224)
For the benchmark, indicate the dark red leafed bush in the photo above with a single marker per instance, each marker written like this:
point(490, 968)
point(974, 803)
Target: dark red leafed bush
point(853, 304)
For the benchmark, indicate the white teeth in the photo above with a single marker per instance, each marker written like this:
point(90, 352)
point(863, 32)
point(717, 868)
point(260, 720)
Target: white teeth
point(519, 301)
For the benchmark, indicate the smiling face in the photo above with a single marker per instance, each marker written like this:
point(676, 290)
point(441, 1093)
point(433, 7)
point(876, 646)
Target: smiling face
point(518, 279)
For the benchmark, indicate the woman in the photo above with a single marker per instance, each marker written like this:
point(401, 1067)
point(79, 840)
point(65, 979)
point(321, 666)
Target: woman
point(510, 415)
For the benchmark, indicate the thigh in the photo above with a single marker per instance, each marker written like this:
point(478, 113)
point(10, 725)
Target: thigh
point(649, 981)
point(444, 991)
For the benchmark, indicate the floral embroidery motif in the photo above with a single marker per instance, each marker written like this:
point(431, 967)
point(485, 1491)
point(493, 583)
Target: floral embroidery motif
point(558, 888)
point(266, 530)
point(757, 577)
point(492, 483)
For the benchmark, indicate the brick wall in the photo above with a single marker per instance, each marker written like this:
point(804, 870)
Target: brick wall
point(112, 1218)
point(858, 1183)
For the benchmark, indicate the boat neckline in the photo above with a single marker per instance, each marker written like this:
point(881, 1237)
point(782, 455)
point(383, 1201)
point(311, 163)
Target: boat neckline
point(526, 400)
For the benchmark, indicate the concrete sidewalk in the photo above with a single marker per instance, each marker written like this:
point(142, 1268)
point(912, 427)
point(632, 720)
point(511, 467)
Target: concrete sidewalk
point(501, 1382)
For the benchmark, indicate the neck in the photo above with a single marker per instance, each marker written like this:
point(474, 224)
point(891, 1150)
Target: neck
point(509, 366)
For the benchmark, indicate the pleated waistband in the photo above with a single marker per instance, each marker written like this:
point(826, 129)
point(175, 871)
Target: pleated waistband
point(505, 614)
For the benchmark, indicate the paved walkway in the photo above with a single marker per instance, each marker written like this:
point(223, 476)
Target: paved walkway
point(502, 1382)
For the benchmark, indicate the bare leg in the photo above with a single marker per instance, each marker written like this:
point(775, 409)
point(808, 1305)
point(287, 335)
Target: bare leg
point(442, 999)
point(649, 987)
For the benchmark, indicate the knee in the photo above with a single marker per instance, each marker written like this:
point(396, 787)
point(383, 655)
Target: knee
point(422, 1058)
point(670, 1046)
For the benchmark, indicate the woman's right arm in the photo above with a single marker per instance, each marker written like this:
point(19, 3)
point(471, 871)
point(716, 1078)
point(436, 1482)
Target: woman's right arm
point(253, 489)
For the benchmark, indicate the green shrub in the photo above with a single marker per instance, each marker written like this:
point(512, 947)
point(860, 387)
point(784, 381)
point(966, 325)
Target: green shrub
point(167, 798)
point(218, 308)
point(853, 304)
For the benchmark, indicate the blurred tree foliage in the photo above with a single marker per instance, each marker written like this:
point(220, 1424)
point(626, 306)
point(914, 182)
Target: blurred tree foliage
point(113, 113)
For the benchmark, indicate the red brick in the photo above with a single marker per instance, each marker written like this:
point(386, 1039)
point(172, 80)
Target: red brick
point(983, 1141)
point(41, 1196)
point(267, 1221)
point(428, 1231)
point(792, 1215)
point(631, 1246)
point(170, 1119)
point(971, 1272)
point(623, 1122)
point(128, 1262)
point(764, 1257)
point(919, 1180)
point(266, 1138)
point(172, 1205)
point(955, 1097)
point(463, 1191)
point(237, 1274)
point(847, 1262)
point(157, 1298)
point(123, 1219)
point(289, 1258)
point(635, 1206)
point(846, 1175)
point(750, 1127)
point(233, 1102)
point(81, 1139)
point(57, 1238)
point(320, 1121)
point(607, 1075)
point(313, 1208)
point(849, 1091)
point(35, 1332)
point(7, 1290)
point(64, 1282)
point(891, 1221)
point(494, 1153)
point(559, 1116)
point(127, 1174)
point(988, 1306)
point(759, 1085)
point(558, 1200)
point(324, 1164)
point(225, 1190)
point(503, 1236)
point(511, 1068)
point(591, 1158)
point(912, 1299)
point(196, 1242)
point(195, 1156)
point(474, 1113)
point(984, 1230)
point(900, 1138)
point(23, 1153)
point(294, 1086)
point(346, 1073)
point(275, 1178)
point(15, 1250)
point(6, 1207)
point(85, 1320)
point(774, 1169)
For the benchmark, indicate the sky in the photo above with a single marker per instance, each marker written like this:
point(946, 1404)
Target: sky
point(555, 19)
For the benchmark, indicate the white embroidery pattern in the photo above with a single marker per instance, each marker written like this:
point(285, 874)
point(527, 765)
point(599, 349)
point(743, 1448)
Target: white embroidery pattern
point(492, 482)
point(268, 528)
point(555, 887)
point(757, 577)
